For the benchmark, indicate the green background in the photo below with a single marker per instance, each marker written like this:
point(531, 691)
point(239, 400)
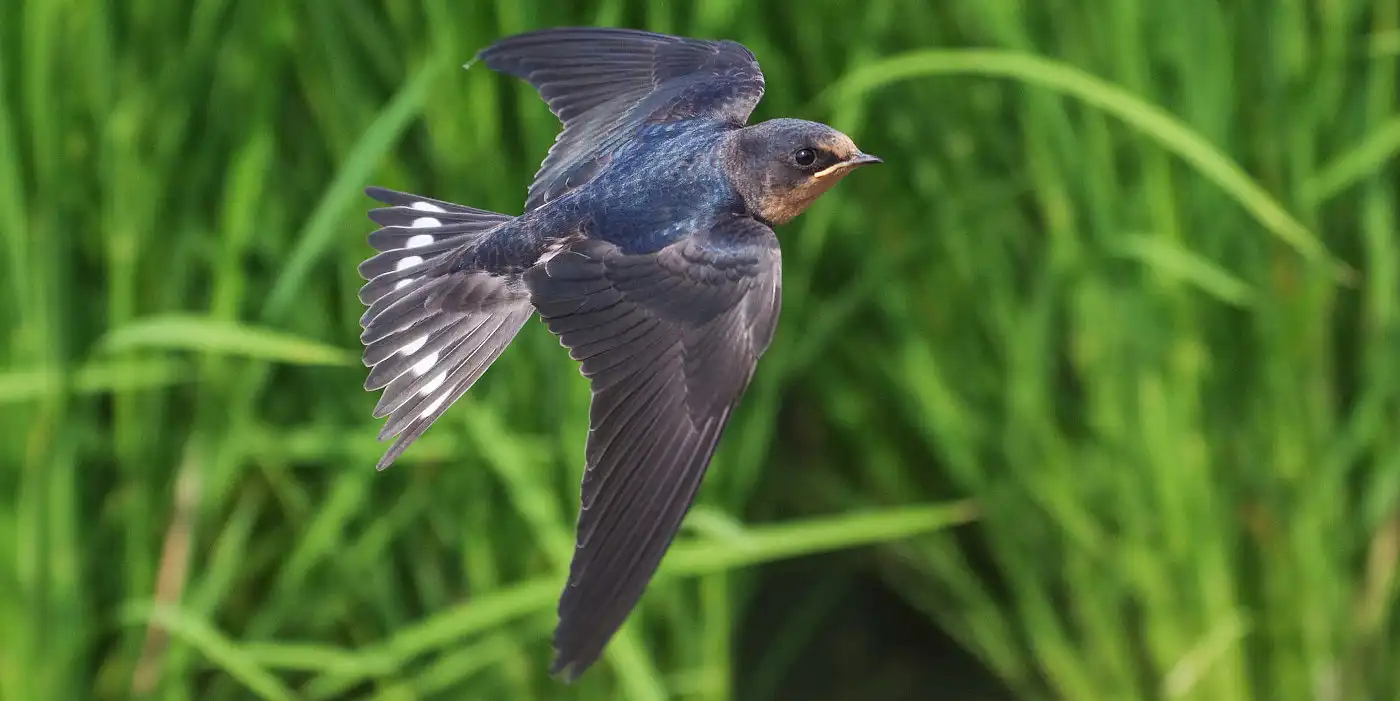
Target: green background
point(1090, 392)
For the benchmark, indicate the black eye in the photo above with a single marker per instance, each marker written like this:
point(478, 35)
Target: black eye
point(805, 156)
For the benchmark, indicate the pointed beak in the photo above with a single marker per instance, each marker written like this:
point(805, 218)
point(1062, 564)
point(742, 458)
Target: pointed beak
point(860, 159)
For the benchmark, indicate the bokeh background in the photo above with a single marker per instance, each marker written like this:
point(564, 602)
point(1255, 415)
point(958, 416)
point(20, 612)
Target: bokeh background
point(1090, 392)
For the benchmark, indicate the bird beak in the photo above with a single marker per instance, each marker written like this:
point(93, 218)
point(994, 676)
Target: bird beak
point(860, 159)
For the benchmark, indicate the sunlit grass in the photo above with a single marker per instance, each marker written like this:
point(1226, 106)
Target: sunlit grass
point(1121, 305)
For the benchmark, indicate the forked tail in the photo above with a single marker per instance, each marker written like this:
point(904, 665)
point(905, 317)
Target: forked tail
point(430, 331)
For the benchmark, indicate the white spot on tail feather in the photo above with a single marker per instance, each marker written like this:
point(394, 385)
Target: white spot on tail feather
point(413, 346)
point(427, 207)
point(407, 263)
point(432, 407)
point(425, 364)
point(419, 240)
point(404, 283)
point(425, 222)
point(434, 383)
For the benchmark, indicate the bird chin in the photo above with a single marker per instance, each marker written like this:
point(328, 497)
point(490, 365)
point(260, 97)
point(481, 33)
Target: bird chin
point(786, 209)
point(819, 184)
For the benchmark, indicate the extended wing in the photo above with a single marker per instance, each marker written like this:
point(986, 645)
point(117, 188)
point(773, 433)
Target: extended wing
point(669, 341)
point(605, 83)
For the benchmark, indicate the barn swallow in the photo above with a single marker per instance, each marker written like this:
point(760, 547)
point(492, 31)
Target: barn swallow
point(646, 245)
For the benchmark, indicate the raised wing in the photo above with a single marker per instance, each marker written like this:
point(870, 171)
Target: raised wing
point(604, 83)
point(669, 341)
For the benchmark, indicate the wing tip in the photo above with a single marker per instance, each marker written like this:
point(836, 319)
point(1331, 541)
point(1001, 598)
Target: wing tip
point(568, 668)
point(503, 53)
point(565, 673)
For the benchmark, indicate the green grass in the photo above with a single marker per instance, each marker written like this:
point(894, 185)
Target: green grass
point(1097, 374)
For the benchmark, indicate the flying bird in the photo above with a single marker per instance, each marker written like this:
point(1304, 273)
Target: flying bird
point(646, 245)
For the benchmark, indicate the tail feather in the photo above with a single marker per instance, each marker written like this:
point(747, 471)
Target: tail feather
point(466, 362)
point(419, 203)
point(418, 245)
point(384, 355)
point(430, 330)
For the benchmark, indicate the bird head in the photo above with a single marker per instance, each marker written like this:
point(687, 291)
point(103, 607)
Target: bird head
point(780, 167)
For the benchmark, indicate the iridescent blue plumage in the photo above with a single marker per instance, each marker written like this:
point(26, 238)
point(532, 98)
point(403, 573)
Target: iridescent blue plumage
point(664, 185)
point(645, 245)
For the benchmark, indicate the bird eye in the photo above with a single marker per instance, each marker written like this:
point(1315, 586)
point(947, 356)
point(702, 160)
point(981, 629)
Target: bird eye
point(805, 156)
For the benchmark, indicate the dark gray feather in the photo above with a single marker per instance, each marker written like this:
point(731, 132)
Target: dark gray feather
point(669, 341)
point(431, 329)
point(605, 83)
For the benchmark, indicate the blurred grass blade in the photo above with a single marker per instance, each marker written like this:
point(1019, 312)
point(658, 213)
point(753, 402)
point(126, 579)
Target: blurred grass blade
point(213, 645)
point(453, 667)
point(1149, 119)
point(810, 536)
point(93, 378)
point(1385, 44)
point(686, 559)
point(1176, 262)
point(441, 630)
point(320, 229)
point(306, 657)
point(1374, 152)
point(194, 333)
